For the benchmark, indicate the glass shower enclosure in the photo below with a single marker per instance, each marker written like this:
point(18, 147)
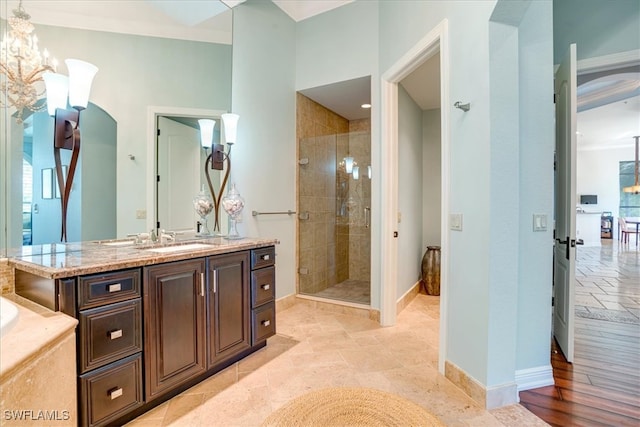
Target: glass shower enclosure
point(334, 217)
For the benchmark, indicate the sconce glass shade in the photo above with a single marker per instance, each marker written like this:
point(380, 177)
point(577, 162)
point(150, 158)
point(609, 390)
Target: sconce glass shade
point(57, 86)
point(348, 164)
point(356, 172)
point(81, 75)
point(369, 171)
point(206, 132)
point(230, 122)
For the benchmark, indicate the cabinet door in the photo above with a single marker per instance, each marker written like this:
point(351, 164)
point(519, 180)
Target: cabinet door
point(229, 314)
point(175, 324)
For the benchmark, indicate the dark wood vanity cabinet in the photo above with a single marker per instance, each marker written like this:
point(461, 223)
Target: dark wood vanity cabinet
point(229, 310)
point(109, 311)
point(175, 324)
point(146, 334)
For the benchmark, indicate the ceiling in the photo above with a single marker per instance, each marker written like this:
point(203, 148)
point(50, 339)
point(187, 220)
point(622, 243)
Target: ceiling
point(610, 125)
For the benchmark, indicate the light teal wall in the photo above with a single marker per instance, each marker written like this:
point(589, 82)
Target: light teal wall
point(410, 192)
point(431, 178)
point(468, 286)
point(598, 27)
point(136, 72)
point(264, 157)
point(536, 186)
point(487, 268)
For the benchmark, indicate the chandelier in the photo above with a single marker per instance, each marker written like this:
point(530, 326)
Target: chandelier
point(22, 66)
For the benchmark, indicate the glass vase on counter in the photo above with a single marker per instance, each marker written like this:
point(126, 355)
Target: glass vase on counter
point(233, 204)
point(203, 205)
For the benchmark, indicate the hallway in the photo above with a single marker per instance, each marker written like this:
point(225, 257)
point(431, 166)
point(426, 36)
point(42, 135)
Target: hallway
point(602, 386)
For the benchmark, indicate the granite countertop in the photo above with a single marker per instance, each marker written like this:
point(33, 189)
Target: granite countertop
point(59, 260)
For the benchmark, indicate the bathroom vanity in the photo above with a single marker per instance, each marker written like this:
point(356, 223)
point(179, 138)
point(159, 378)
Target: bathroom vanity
point(153, 321)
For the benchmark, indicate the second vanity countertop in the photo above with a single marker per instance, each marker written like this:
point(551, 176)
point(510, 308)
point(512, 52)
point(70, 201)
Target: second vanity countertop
point(60, 260)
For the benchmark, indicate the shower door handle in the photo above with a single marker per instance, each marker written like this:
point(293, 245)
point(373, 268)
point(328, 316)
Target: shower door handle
point(367, 216)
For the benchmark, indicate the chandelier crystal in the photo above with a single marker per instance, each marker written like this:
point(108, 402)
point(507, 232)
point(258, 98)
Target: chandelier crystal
point(22, 66)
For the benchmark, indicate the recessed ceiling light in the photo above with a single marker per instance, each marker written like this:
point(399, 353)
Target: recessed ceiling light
point(366, 105)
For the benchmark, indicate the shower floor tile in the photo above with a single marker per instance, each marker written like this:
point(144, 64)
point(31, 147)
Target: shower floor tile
point(358, 291)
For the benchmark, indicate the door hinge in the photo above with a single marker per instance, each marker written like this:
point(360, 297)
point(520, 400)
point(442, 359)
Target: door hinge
point(555, 101)
point(157, 178)
point(553, 302)
point(158, 132)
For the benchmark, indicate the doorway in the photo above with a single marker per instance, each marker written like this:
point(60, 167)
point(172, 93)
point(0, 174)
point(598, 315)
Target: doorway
point(435, 42)
point(334, 193)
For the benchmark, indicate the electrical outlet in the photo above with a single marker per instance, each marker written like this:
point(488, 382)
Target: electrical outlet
point(455, 222)
point(141, 214)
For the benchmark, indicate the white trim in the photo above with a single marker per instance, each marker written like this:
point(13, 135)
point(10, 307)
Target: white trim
point(153, 111)
point(608, 62)
point(435, 41)
point(540, 376)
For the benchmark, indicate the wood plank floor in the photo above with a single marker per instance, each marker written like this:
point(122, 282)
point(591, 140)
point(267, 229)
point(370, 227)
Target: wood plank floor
point(602, 385)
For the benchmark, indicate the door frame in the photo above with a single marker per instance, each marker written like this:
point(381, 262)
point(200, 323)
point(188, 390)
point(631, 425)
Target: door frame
point(437, 40)
point(153, 112)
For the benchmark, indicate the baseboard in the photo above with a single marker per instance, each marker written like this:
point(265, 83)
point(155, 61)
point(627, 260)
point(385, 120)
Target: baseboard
point(487, 397)
point(540, 376)
point(285, 302)
point(408, 296)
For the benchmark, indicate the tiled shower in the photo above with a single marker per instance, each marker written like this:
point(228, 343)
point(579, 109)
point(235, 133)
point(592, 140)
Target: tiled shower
point(334, 206)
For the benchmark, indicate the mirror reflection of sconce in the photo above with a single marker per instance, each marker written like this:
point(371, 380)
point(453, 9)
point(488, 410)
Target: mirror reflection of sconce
point(217, 158)
point(76, 88)
point(355, 172)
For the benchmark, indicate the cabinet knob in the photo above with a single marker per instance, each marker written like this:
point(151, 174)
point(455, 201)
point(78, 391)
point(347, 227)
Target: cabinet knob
point(115, 287)
point(115, 334)
point(266, 286)
point(266, 322)
point(115, 393)
point(265, 257)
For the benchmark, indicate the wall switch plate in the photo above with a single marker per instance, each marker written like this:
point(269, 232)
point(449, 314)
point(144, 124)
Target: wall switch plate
point(141, 214)
point(455, 222)
point(539, 222)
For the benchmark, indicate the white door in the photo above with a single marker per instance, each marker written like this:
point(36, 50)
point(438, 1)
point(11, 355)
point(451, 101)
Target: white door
point(565, 204)
point(179, 175)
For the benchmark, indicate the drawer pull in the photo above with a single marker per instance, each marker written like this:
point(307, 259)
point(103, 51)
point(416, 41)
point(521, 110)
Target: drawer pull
point(114, 394)
point(115, 287)
point(201, 284)
point(265, 257)
point(266, 286)
point(266, 322)
point(115, 334)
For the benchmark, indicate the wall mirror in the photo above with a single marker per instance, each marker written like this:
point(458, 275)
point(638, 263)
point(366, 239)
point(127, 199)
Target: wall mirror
point(148, 54)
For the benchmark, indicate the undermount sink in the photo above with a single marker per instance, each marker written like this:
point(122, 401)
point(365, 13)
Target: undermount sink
point(180, 248)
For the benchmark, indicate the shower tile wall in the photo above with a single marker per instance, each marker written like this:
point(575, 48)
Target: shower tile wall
point(323, 259)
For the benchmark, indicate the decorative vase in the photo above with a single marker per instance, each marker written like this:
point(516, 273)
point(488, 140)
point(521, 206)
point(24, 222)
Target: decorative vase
point(203, 205)
point(431, 270)
point(233, 204)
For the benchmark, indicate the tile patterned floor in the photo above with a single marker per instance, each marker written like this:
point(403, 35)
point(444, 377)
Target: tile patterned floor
point(608, 282)
point(315, 349)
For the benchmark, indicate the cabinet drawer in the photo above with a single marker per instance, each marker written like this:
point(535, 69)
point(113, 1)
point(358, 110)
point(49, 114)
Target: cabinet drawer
point(110, 392)
point(263, 257)
point(100, 289)
point(263, 322)
point(109, 333)
point(263, 287)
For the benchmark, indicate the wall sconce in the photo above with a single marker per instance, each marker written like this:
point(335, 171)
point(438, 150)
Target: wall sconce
point(369, 171)
point(356, 172)
point(66, 129)
point(216, 159)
